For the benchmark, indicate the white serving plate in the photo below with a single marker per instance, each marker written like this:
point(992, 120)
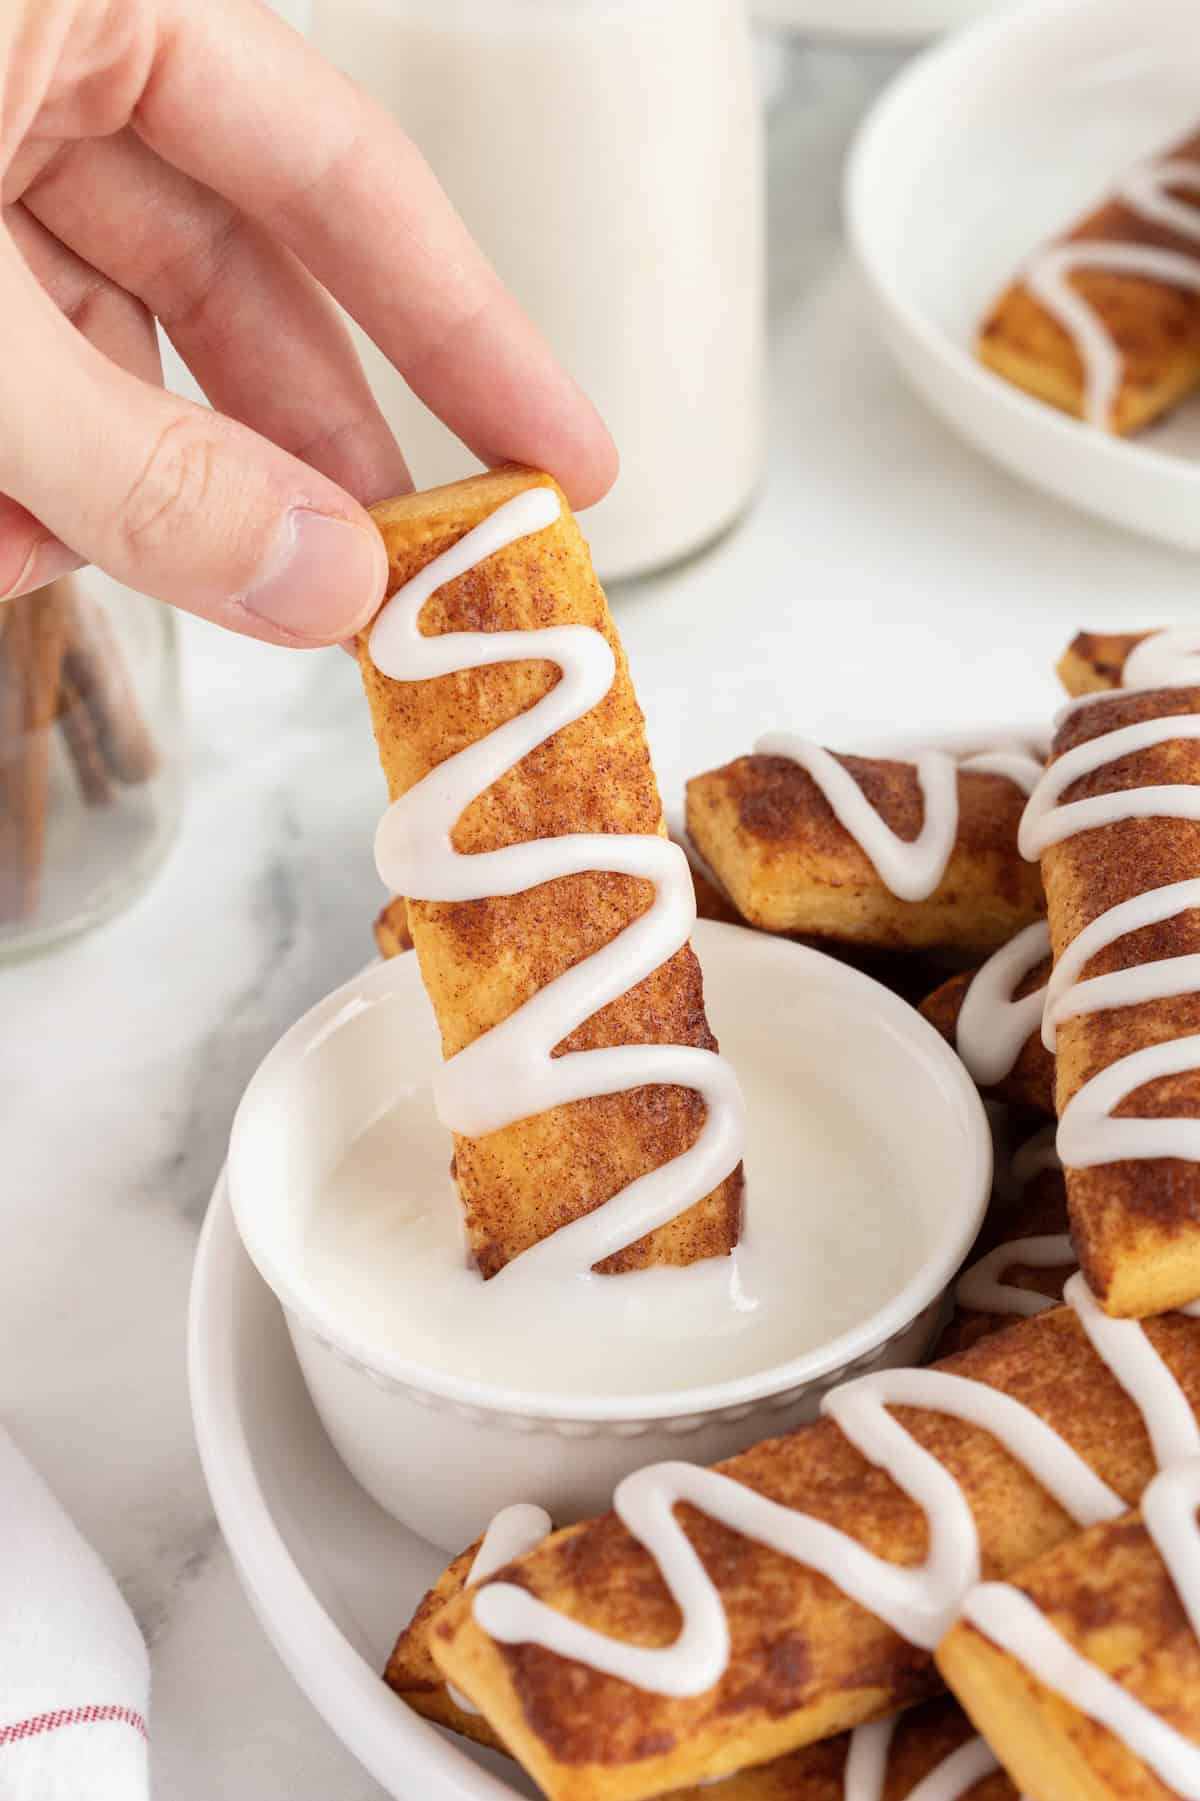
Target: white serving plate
point(871, 21)
point(981, 149)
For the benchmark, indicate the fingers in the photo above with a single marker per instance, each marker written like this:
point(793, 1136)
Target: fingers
point(170, 498)
point(259, 334)
point(243, 104)
point(30, 555)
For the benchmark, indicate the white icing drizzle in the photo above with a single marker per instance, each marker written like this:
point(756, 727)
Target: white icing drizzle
point(958, 1773)
point(980, 1288)
point(867, 1760)
point(509, 1073)
point(1047, 276)
point(1125, 1348)
point(993, 1027)
point(867, 1764)
point(1166, 659)
point(919, 1603)
point(1017, 766)
point(909, 869)
point(1088, 1134)
point(511, 1532)
point(1046, 823)
point(1035, 1156)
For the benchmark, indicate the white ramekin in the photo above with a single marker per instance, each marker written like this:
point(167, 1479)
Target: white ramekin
point(441, 1452)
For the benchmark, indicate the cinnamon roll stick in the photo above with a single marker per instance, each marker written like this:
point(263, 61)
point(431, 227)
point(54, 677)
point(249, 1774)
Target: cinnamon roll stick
point(1145, 310)
point(1109, 1598)
point(482, 959)
point(805, 1660)
point(790, 866)
point(1135, 1222)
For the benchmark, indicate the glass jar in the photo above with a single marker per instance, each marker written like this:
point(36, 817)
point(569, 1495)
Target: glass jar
point(607, 155)
point(90, 754)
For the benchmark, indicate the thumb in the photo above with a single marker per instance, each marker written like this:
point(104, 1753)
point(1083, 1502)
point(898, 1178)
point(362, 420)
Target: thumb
point(170, 498)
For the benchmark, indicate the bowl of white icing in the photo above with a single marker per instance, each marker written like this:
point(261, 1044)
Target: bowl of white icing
point(868, 1162)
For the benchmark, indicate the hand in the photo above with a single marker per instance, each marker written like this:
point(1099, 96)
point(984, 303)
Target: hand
point(199, 164)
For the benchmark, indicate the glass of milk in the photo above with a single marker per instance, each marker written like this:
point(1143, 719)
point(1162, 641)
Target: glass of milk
point(607, 154)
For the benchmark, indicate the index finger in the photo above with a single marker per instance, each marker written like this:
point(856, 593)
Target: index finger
point(240, 101)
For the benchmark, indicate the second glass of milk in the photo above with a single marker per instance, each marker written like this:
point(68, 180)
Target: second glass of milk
point(607, 154)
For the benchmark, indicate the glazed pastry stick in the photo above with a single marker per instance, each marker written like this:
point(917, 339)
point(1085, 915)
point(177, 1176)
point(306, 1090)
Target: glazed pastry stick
point(919, 1742)
point(1109, 1595)
point(768, 831)
point(1136, 350)
point(1135, 1219)
point(805, 1661)
point(482, 959)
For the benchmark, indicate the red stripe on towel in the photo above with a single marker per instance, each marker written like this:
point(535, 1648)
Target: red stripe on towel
point(70, 1716)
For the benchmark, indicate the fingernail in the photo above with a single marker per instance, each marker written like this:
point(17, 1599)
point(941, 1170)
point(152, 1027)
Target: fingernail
point(324, 578)
point(46, 562)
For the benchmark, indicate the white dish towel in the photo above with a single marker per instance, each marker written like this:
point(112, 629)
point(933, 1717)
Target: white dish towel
point(74, 1674)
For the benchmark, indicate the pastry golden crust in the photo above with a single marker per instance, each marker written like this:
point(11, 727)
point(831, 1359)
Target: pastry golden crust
point(1030, 1082)
point(481, 960)
point(1136, 1225)
point(1094, 661)
point(789, 866)
point(1111, 1597)
point(806, 1661)
point(391, 928)
point(411, 1672)
point(1154, 325)
point(923, 1737)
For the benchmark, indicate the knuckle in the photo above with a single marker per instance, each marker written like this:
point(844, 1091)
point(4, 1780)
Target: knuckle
point(172, 488)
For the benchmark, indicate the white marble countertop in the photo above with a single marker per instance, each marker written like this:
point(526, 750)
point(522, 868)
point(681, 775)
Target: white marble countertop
point(887, 578)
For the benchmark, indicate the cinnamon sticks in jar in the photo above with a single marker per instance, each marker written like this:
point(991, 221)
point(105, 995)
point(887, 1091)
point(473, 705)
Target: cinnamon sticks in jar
point(61, 670)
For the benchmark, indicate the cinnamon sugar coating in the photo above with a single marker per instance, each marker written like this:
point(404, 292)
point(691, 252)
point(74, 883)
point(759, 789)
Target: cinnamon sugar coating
point(480, 960)
point(791, 867)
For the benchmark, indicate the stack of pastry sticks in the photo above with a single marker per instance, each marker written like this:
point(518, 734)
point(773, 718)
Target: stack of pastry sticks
point(809, 1666)
point(60, 669)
